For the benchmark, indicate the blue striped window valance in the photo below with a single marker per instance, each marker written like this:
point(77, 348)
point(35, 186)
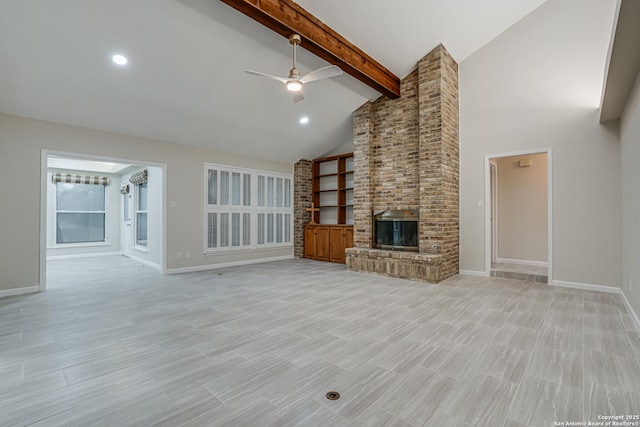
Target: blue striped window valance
point(69, 178)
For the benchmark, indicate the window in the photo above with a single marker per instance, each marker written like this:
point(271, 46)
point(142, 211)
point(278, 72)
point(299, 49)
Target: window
point(228, 209)
point(246, 209)
point(141, 213)
point(80, 213)
point(274, 210)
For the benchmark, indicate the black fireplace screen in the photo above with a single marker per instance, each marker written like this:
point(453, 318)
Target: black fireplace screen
point(396, 230)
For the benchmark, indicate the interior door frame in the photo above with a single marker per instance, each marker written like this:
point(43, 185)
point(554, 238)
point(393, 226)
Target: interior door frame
point(493, 169)
point(44, 155)
point(488, 203)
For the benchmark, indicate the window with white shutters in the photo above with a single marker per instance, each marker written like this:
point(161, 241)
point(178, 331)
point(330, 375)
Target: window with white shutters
point(274, 210)
point(246, 209)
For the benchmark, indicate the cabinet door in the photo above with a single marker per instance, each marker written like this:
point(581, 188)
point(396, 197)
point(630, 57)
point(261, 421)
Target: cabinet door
point(322, 243)
point(348, 237)
point(337, 244)
point(309, 242)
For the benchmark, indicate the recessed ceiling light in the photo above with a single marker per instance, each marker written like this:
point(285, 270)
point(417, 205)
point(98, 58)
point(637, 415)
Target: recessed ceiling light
point(304, 120)
point(119, 59)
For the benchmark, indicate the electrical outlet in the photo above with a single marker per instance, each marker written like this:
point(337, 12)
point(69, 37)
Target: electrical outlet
point(179, 255)
point(187, 254)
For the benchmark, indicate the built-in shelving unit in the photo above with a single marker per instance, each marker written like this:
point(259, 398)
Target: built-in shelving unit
point(333, 189)
point(332, 232)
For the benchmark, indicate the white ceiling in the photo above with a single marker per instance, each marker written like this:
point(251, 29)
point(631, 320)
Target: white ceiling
point(185, 83)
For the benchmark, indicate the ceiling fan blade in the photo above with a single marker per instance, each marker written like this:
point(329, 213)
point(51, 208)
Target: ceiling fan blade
point(257, 73)
point(322, 73)
point(297, 96)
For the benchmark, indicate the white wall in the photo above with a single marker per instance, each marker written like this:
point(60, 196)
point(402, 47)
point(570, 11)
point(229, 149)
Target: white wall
point(630, 153)
point(112, 218)
point(538, 85)
point(21, 143)
point(522, 208)
point(347, 147)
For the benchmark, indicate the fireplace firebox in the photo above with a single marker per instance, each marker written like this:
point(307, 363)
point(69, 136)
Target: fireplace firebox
point(396, 230)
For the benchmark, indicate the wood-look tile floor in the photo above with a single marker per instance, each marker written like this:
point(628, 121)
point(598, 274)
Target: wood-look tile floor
point(113, 343)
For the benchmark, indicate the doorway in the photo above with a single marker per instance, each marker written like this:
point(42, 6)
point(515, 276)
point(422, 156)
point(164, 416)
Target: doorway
point(72, 226)
point(518, 228)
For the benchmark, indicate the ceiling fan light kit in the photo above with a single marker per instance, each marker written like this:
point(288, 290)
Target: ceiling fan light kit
point(294, 86)
point(294, 82)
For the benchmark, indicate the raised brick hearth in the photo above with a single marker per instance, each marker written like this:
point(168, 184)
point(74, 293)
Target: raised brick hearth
point(407, 265)
point(406, 157)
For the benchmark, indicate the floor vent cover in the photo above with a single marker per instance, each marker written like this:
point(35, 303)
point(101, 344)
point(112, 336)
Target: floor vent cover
point(333, 395)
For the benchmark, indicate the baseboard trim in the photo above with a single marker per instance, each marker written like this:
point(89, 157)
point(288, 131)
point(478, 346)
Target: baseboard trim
point(227, 264)
point(632, 312)
point(146, 262)
point(522, 262)
point(19, 291)
point(71, 256)
point(586, 287)
point(473, 273)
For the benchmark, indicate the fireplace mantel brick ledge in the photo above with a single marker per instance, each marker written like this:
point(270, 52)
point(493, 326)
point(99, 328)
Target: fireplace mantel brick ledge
point(407, 265)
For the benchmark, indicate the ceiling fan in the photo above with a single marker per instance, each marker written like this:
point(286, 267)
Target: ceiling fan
point(294, 82)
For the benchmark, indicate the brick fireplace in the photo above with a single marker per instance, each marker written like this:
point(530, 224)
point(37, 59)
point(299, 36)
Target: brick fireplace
point(406, 158)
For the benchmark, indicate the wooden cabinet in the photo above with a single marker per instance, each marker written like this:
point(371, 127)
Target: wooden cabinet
point(348, 237)
point(333, 196)
point(327, 242)
point(309, 241)
point(340, 238)
point(316, 242)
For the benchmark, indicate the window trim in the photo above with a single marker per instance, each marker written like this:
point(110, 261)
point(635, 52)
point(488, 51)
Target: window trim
point(134, 219)
point(253, 209)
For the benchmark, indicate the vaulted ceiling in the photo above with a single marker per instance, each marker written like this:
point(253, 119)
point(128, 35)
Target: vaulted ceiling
point(184, 81)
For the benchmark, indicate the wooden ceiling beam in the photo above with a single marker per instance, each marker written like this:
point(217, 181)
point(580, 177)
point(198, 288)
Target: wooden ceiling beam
point(285, 17)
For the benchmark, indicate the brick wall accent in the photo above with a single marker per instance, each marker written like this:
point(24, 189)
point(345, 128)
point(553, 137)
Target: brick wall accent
point(302, 198)
point(362, 198)
point(406, 157)
point(439, 157)
point(395, 151)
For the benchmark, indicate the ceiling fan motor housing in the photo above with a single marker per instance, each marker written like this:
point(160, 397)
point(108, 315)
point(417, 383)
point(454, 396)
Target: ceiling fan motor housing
point(294, 39)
